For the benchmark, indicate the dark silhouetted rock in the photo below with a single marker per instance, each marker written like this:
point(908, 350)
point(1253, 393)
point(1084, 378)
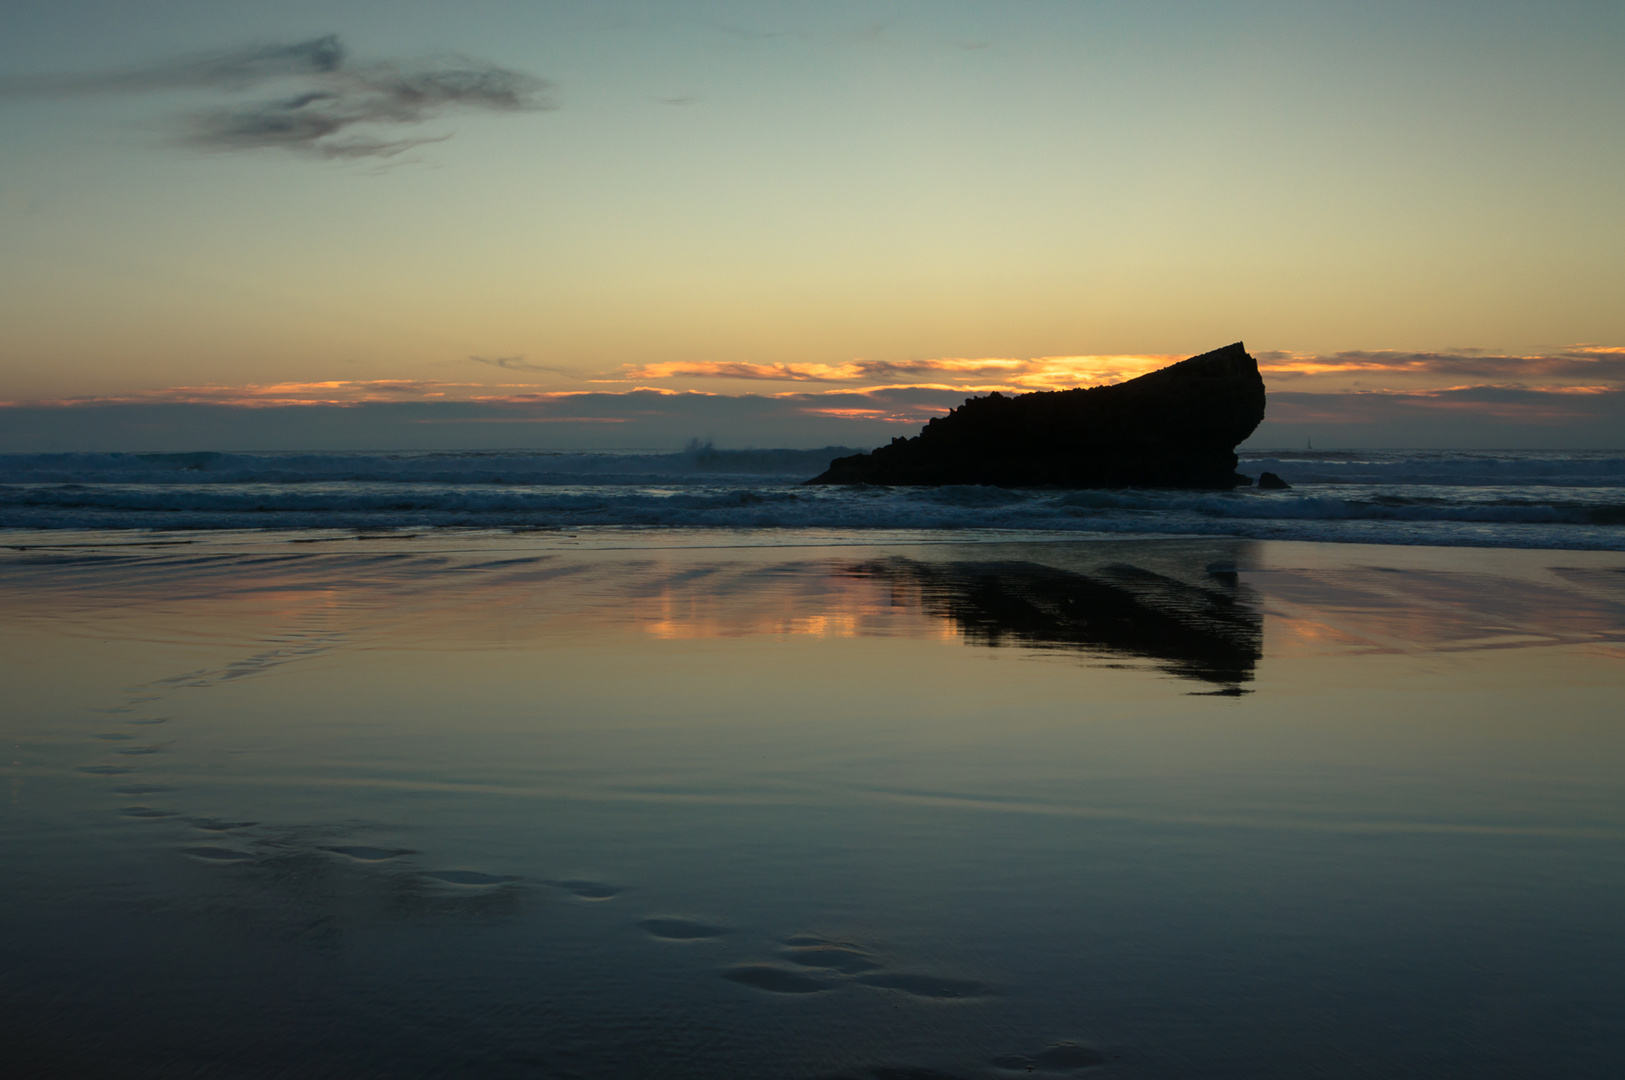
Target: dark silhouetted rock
point(1270, 482)
point(1177, 427)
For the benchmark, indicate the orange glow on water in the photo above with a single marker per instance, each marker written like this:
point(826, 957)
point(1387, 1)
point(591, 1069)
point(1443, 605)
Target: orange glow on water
point(836, 606)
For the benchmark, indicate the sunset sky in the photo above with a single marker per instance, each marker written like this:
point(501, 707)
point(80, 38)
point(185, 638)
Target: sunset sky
point(386, 225)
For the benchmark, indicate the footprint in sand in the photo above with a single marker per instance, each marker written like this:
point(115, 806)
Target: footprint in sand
point(362, 853)
point(927, 986)
point(775, 980)
point(1061, 1057)
point(588, 890)
point(468, 877)
point(843, 956)
point(217, 854)
point(675, 929)
point(209, 824)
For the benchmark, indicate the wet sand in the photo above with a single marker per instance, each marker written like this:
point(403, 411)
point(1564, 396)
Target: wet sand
point(680, 803)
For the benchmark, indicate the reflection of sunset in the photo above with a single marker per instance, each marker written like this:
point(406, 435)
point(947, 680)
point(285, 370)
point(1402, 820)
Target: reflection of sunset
point(1289, 634)
point(825, 604)
point(1319, 612)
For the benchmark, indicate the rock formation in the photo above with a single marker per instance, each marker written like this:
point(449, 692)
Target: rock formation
point(1176, 427)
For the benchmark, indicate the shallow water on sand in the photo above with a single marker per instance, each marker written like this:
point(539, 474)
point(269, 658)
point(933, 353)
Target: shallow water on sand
point(794, 804)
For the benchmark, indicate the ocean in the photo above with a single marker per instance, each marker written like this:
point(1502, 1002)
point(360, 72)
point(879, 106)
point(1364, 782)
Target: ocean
point(1569, 500)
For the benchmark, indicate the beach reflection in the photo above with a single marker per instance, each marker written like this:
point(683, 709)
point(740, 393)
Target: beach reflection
point(524, 807)
point(1213, 634)
point(1183, 618)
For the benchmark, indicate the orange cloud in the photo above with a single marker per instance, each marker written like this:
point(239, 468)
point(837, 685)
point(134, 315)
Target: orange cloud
point(1516, 405)
point(979, 374)
point(1581, 365)
point(340, 392)
point(1581, 369)
point(271, 395)
point(912, 416)
point(1387, 369)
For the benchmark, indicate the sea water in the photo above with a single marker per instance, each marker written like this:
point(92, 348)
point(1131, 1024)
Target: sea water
point(1564, 500)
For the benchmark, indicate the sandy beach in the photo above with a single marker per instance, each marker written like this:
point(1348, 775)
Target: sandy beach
point(809, 804)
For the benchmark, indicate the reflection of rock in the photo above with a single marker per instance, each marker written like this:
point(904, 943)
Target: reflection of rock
point(1177, 427)
point(1193, 631)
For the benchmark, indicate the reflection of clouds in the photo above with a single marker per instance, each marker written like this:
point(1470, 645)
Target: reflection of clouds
point(1431, 610)
point(1174, 615)
point(1207, 632)
point(813, 600)
point(1167, 608)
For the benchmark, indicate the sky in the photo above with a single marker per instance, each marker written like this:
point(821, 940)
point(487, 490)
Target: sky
point(349, 225)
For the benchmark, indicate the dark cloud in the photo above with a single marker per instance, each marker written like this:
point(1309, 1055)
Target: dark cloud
point(1579, 364)
point(237, 69)
point(327, 107)
point(637, 418)
point(1482, 417)
point(519, 363)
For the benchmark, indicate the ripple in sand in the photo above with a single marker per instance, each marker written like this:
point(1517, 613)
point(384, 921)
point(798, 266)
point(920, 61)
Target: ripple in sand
point(216, 854)
point(362, 853)
point(135, 750)
point(152, 720)
point(681, 929)
point(909, 1072)
point(104, 770)
point(209, 824)
point(145, 812)
point(1060, 1057)
point(588, 890)
point(775, 980)
point(142, 789)
point(809, 951)
point(113, 736)
point(468, 877)
point(929, 986)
